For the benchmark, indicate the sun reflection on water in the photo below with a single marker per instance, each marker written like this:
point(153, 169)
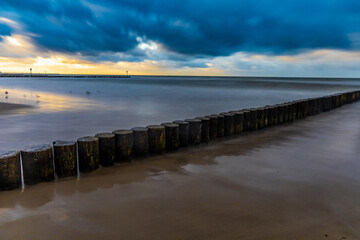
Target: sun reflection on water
point(45, 102)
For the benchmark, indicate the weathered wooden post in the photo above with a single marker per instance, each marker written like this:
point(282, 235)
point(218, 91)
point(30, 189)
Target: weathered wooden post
point(229, 123)
point(247, 120)
point(172, 136)
point(88, 151)
point(238, 121)
point(183, 133)
point(260, 118)
point(220, 125)
point(272, 116)
point(140, 141)
point(253, 119)
point(37, 164)
point(213, 126)
point(281, 113)
point(157, 141)
point(123, 145)
point(194, 131)
point(205, 129)
point(10, 176)
point(106, 149)
point(266, 116)
point(65, 158)
point(286, 112)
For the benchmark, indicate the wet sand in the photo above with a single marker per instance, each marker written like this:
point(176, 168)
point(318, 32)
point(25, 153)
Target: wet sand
point(298, 181)
point(12, 108)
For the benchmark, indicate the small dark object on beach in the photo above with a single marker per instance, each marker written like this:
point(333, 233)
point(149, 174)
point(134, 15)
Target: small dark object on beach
point(326, 235)
point(6, 92)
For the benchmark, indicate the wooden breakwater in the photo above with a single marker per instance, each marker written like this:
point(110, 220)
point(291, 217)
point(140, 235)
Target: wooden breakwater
point(63, 158)
point(44, 75)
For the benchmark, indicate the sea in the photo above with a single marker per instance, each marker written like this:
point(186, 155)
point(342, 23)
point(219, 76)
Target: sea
point(70, 108)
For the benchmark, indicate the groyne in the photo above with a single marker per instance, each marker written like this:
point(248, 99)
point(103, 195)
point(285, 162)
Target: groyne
point(63, 158)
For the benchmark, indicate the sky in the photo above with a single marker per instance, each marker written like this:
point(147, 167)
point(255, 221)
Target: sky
point(300, 38)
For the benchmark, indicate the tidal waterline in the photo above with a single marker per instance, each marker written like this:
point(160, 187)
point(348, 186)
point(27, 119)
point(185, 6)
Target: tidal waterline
point(66, 109)
point(296, 181)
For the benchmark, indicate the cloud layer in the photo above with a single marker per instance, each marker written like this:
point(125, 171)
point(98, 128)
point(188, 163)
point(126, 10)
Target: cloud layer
point(187, 27)
point(206, 37)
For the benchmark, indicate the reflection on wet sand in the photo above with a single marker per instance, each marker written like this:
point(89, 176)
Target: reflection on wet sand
point(46, 102)
point(298, 181)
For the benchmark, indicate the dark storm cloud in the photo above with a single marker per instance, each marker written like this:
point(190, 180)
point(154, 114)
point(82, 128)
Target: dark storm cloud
point(189, 27)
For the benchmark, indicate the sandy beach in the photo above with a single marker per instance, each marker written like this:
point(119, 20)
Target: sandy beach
point(12, 108)
point(298, 181)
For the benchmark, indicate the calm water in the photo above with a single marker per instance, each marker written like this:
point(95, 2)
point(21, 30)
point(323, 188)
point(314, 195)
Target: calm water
point(72, 108)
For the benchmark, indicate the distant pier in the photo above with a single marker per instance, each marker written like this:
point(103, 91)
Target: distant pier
point(38, 75)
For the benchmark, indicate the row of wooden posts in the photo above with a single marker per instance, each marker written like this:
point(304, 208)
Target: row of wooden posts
point(44, 162)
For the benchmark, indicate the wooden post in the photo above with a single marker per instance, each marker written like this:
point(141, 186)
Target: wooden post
point(157, 141)
point(106, 149)
point(220, 125)
point(205, 129)
point(10, 176)
point(88, 151)
point(238, 121)
point(194, 131)
point(213, 127)
point(141, 141)
point(171, 136)
point(65, 158)
point(260, 118)
point(253, 119)
point(247, 120)
point(229, 123)
point(37, 164)
point(123, 145)
point(183, 133)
